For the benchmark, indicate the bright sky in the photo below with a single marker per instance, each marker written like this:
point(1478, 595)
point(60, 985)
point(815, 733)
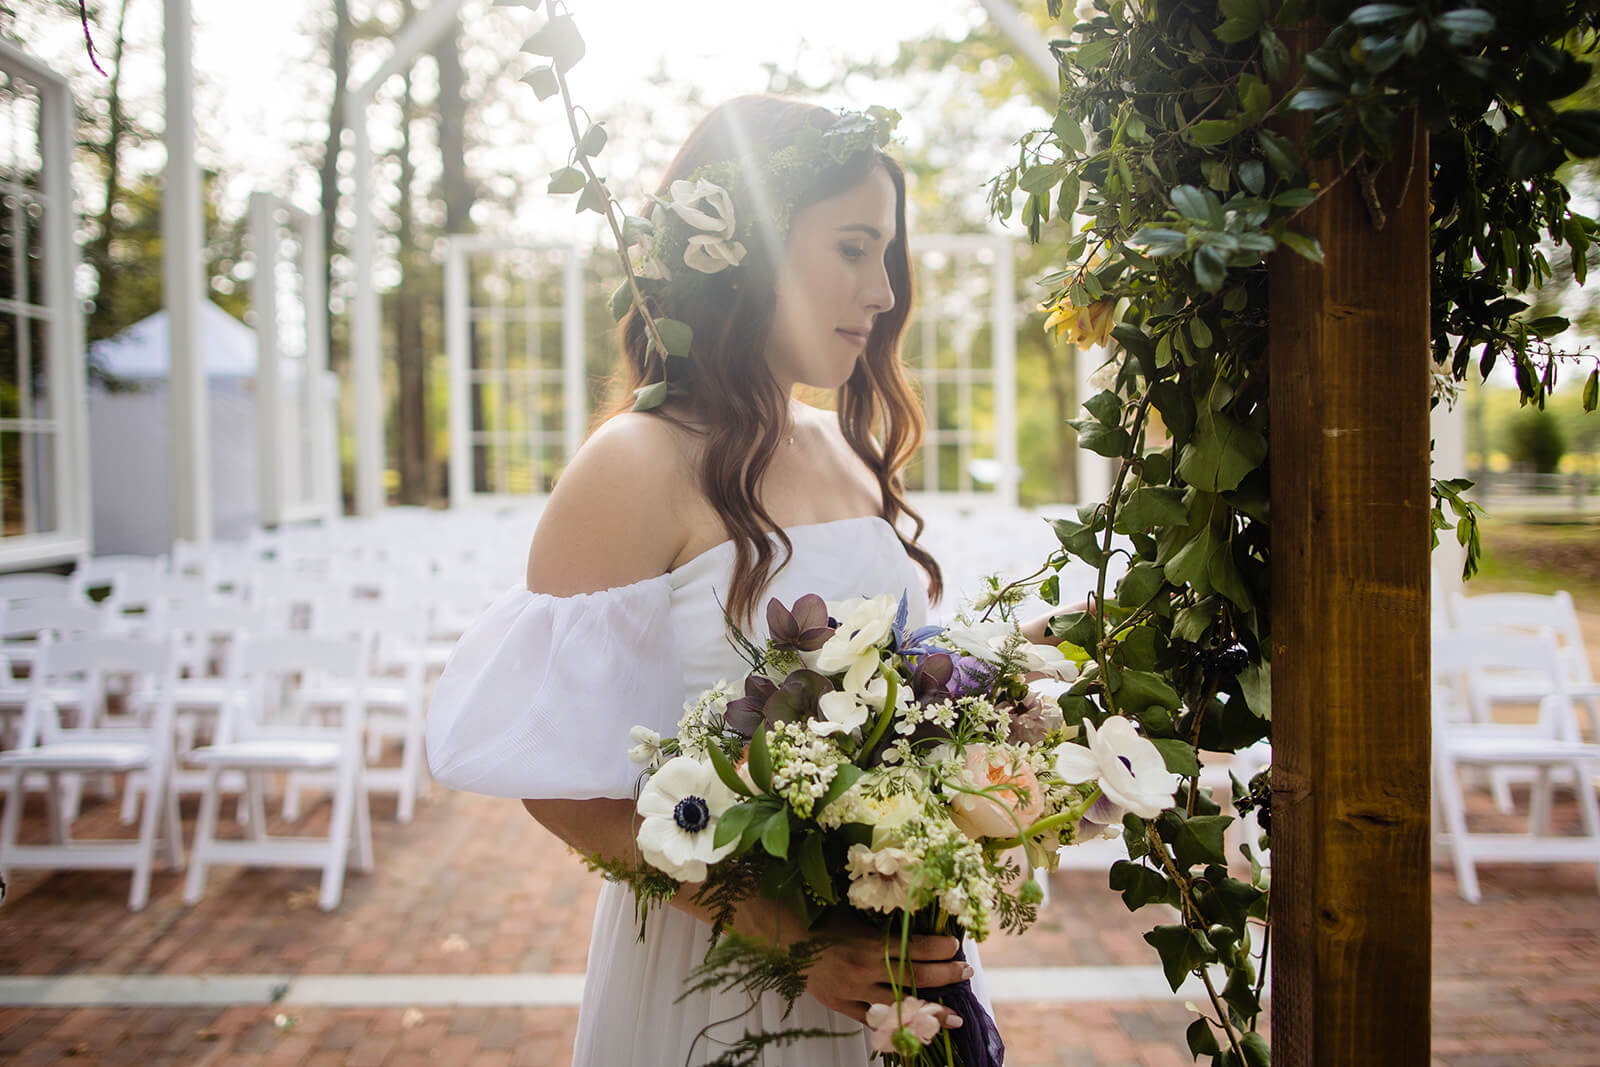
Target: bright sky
point(243, 50)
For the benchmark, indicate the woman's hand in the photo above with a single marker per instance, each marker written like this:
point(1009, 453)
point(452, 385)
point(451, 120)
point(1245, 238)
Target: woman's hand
point(852, 974)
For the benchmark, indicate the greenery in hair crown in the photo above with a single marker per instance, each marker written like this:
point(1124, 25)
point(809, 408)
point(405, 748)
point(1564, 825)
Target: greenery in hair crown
point(705, 225)
point(701, 229)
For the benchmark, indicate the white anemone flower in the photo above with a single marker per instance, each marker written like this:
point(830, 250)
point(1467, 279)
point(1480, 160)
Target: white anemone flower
point(1128, 767)
point(865, 624)
point(681, 804)
point(841, 713)
point(993, 641)
point(712, 255)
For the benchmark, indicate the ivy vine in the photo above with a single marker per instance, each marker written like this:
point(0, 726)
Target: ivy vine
point(1172, 140)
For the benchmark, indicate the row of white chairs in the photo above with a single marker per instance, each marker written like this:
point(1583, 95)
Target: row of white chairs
point(262, 729)
point(1521, 656)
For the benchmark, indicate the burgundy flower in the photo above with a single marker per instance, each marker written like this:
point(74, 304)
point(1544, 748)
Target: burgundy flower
point(744, 714)
point(931, 680)
point(806, 628)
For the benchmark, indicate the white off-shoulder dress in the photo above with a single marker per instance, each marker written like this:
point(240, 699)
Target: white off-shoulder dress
point(538, 700)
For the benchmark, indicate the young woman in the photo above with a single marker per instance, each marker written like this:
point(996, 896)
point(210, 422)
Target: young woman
point(780, 240)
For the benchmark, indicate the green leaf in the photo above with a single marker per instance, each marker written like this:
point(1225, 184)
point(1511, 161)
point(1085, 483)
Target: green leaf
point(1233, 30)
point(592, 141)
point(1141, 648)
point(560, 40)
point(648, 397)
point(1255, 682)
point(1177, 409)
point(1143, 689)
point(734, 821)
point(594, 197)
point(1220, 452)
point(1591, 391)
point(1050, 590)
point(677, 336)
point(621, 300)
point(1110, 441)
point(843, 779)
point(1304, 244)
point(1376, 14)
point(814, 865)
point(1180, 951)
point(1179, 755)
point(1240, 996)
point(1466, 22)
point(1139, 885)
point(775, 835)
point(1202, 1042)
point(567, 180)
point(1106, 407)
point(636, 229)
point(543, 82)
point(1152, 506)
point(1294, 198)
point(1274, 55)
point(1200, 840)
point(1209, 132)
point(1315, 100)
point(1094, 54)
point(1257, 1052)
point(760, 759)
point(1191, 203)
point(1210, 269)
point(1142, 582)
point(1281, 153)
point(1253, 176)
point(725, 771)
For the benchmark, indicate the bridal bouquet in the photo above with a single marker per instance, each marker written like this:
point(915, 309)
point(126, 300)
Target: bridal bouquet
point(889, 774)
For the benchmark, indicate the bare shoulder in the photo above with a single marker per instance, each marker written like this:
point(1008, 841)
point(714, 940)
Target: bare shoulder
point(618, 512)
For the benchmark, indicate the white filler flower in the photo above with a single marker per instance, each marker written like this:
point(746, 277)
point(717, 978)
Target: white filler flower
point(681, 804)
point(993, 641)
point(1129, 768)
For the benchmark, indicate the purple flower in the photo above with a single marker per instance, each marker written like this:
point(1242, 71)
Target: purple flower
point(970, 676)
point(805, 628)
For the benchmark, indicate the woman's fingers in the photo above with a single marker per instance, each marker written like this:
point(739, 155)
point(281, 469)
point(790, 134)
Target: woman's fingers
point(929, 975)
point(926, 947)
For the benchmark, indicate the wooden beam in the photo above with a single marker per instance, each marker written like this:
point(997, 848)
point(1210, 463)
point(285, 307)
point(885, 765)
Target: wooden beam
point(1351, 912)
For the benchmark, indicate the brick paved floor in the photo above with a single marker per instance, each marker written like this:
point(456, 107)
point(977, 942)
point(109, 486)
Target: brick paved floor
point(473, 886)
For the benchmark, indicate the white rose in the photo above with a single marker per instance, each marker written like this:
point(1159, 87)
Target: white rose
point(712, 255)
point(704, 205)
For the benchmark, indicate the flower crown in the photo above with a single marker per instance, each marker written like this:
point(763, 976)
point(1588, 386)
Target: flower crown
point(704, 225)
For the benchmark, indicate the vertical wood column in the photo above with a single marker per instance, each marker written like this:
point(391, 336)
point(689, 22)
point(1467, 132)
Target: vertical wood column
point(1351, 912)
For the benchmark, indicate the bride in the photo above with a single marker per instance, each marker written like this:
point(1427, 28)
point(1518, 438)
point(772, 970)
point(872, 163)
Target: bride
point(780, 240)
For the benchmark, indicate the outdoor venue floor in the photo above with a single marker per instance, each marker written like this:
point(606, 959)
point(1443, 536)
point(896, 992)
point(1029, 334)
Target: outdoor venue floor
point(475, 888)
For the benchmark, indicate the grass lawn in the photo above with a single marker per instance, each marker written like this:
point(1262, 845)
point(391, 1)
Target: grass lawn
point(1528, 553)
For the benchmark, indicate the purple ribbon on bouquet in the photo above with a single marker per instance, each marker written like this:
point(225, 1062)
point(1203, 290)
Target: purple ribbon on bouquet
point(977, 1040)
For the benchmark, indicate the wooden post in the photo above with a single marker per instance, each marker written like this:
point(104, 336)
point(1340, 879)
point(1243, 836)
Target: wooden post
point(1351, 911)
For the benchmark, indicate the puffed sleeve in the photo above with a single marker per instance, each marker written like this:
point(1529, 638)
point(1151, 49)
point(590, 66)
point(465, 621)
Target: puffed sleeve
point(539, 696)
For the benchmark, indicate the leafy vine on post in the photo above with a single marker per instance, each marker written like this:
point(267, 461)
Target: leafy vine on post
point(1172, 175)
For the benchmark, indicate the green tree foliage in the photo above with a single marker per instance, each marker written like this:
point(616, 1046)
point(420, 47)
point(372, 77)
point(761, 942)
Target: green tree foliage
point(1535, 438)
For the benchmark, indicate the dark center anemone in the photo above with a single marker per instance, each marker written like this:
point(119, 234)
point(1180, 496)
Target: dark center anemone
point(692, 815)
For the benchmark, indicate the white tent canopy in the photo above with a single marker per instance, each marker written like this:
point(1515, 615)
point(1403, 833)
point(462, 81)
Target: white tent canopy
point(130, 476)
point(143, 351)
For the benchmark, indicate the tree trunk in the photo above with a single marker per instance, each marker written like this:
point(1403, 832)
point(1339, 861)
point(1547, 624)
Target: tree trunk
point(1349, 362)
point(98, 253)
point(339, 59)
point(410, 358)
point(459, 195)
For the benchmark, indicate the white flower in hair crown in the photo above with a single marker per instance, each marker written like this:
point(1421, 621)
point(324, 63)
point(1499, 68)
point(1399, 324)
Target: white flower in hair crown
point(707, 207)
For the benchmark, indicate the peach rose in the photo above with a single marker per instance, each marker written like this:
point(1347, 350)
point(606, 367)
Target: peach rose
point(1014, 797)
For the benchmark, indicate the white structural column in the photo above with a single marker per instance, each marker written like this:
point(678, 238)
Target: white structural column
point(1094, 471)
point(269, 399)
point(1449, 428)
point(322, 388)
point(366, 359)
point(183, 257)
point(1003, 319)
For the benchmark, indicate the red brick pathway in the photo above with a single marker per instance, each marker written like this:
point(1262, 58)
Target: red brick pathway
point(473, 886)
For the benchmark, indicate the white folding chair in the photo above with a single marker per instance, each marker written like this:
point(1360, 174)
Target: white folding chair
point(95, 573)
point(391, 696)
point(204, 634)
point(1530, 613)
point(55, 750)
point(1544, 746)
point(260, 735)
point(18, 588)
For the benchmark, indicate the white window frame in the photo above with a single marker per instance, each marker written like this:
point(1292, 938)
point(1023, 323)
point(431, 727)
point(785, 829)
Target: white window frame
point(63, 316)
point(1001, 374)
point(458, 324)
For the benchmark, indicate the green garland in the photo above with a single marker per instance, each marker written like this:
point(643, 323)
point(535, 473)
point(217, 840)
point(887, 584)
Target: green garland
point(1169, 138)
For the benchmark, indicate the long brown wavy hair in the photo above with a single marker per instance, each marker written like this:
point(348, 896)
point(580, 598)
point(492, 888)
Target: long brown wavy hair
point(730, 397)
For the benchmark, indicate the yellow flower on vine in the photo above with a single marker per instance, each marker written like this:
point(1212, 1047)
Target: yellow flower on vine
point(1086, 327)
